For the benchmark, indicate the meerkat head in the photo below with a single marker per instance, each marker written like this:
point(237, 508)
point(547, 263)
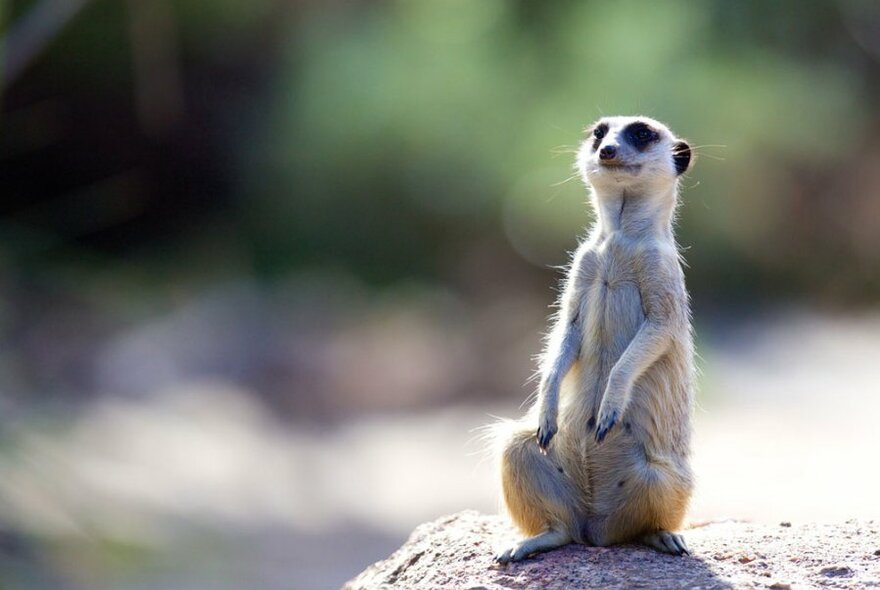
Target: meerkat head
point(632, 153)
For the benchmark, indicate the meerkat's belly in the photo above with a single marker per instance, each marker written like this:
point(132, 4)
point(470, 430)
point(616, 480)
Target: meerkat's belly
point(613, 318)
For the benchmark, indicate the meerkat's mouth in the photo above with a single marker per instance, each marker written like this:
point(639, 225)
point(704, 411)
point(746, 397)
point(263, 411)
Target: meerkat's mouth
point(617, 167)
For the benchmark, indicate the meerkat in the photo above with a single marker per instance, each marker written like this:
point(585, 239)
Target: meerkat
point(602, 456)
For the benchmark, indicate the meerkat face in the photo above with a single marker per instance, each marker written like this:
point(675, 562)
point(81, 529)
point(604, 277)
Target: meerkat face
point(623, 152)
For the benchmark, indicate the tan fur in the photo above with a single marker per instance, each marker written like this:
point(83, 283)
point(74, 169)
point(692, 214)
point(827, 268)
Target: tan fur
point(621, 347)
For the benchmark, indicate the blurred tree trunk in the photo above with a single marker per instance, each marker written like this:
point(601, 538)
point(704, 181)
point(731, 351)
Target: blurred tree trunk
point(156, 73)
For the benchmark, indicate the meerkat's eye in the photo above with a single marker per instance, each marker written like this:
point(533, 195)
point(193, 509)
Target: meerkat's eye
point(640, 136)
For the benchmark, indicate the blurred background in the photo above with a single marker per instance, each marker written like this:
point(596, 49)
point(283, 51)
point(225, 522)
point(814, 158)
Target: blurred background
point(265, 265)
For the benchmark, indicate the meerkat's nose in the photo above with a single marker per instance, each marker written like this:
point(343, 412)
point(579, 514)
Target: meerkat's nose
point(609, 152)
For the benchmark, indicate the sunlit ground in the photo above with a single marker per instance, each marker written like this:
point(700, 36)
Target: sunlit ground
point(199, 486)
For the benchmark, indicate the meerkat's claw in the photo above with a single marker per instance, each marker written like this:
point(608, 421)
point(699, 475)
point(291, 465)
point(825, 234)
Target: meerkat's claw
point(544, 438)
point(507, 556)
point(605, 425)
point(549, 539)
point(667, 542)
point(546, 431)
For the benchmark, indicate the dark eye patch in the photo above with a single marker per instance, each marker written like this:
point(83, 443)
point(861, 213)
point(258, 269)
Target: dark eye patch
point(640, 135)
point(598, 133)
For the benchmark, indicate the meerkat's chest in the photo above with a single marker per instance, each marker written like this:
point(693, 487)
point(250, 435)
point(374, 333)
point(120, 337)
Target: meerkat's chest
point(613, 299)
point(613, 267)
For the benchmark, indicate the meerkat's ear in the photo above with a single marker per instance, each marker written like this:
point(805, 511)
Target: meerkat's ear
point(681, 156)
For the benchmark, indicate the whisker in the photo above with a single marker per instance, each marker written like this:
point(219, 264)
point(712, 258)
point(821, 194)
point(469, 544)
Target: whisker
point(711, 156)
point(569, 179)
point(696, 149)
point(563, 149)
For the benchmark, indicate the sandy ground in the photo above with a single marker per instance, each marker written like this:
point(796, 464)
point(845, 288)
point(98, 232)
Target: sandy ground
point(199, 486)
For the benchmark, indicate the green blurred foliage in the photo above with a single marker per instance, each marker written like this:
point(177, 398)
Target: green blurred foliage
point(392, 139)
point(404, 128)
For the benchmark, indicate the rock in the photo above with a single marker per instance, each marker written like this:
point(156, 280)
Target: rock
point(457, 552)
point(836, 572)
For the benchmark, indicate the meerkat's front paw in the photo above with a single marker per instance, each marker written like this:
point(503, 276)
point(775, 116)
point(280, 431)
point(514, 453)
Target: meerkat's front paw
point(547, 429)
point(607, 420)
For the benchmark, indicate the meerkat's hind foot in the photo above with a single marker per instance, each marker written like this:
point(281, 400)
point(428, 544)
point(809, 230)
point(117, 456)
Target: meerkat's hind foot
point(666, 542)
point(538, 544)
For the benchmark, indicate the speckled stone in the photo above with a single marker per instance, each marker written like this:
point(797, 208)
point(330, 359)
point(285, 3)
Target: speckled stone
point(457, 552)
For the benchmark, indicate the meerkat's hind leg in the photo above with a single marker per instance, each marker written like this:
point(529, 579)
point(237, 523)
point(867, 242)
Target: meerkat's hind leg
point(538, 544)
point(666, 542)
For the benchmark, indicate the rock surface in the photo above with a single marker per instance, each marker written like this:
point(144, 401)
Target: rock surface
point(457, 552)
